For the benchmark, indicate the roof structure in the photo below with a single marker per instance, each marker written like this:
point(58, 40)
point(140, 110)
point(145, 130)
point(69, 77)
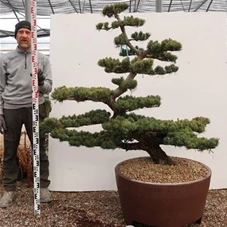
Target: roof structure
point(48, 7)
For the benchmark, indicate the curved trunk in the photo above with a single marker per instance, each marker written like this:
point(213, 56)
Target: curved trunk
point(151, 144)
point(158, 155)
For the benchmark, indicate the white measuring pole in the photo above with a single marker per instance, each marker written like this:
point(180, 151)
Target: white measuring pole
point(35, 109)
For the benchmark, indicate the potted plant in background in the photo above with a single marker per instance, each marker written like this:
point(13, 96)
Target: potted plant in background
point(157, 190)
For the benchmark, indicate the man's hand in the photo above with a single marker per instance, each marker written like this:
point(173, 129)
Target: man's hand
point(2, 124)
point(41, 77)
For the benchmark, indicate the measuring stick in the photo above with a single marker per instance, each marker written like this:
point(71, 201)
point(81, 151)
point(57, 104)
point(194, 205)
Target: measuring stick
point(35, 109)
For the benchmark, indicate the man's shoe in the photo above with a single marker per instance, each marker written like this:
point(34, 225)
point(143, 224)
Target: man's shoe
point(45, 195)
point(7, 199)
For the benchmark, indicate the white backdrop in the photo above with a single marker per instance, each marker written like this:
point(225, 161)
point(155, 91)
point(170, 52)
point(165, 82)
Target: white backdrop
point(197, 89)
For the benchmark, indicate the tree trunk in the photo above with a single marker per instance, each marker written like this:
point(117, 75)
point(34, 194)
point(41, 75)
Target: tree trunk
point(159, 156)
point(151, 144)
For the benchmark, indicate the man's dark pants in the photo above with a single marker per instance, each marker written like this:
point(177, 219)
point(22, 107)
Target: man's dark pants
point(14, 119)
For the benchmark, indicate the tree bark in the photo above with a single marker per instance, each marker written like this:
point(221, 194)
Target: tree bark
point(151, 144)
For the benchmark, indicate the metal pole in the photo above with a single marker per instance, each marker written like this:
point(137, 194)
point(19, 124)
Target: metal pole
point(158, 6)
point(28, 10)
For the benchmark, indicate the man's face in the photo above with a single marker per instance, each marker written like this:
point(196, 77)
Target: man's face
point(24, 38)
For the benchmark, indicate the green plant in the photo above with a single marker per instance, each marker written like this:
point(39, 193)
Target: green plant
point(121, 127)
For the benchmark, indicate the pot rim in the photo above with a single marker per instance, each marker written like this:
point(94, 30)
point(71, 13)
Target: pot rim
point(167, 184)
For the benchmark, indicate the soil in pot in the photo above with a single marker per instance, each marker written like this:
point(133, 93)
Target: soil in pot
point(143, 169)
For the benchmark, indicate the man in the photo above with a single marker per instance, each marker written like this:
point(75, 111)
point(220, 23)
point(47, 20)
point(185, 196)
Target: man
point(16, 110)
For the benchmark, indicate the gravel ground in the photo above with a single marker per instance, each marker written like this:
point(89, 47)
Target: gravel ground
point(91, 209)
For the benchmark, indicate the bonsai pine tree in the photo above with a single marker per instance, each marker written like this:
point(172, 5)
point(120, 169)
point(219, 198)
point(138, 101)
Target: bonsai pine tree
point(121, 127)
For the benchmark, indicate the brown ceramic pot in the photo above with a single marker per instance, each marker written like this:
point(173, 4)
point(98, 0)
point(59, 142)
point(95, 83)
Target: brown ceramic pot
point(162, 205)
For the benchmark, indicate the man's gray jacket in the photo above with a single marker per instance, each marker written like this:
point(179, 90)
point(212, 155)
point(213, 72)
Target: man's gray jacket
point(16, 80)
